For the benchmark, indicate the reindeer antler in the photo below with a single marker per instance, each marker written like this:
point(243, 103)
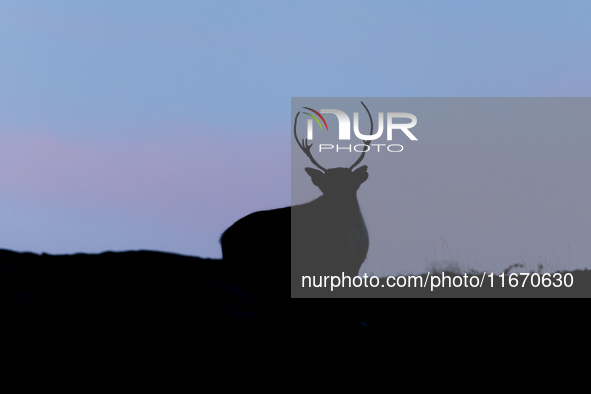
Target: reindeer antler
point(305, 147)
point(365, 142)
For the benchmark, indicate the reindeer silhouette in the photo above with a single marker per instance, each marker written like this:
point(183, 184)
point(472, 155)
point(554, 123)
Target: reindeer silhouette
point(326, 236)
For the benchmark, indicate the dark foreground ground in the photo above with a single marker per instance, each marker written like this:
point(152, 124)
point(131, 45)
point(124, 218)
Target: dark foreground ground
point(196, 315)
point(157, 310)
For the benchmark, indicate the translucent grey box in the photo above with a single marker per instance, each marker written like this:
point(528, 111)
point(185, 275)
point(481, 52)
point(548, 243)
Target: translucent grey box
point(471, 186)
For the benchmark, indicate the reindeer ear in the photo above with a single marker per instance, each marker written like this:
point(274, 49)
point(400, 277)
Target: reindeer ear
point(361, 174)
point(316, 175)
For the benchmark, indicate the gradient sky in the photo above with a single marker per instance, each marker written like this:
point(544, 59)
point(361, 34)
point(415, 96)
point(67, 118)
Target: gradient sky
point(155, 125)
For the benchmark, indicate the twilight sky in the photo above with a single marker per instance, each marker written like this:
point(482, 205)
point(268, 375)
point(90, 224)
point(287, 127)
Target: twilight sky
point(155, 125)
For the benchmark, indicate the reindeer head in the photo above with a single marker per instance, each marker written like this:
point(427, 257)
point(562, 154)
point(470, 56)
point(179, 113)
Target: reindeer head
point(335, 181)
point(338, 181)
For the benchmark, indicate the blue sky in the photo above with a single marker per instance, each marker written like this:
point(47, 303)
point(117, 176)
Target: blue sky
point(154, 125)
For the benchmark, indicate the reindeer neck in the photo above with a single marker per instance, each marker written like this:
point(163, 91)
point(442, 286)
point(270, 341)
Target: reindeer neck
point(339, 201)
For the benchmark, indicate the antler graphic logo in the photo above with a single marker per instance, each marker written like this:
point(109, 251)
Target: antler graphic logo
point(316, 119)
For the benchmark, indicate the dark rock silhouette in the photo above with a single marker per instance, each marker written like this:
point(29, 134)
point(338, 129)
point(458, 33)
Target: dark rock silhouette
point(325, 237)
